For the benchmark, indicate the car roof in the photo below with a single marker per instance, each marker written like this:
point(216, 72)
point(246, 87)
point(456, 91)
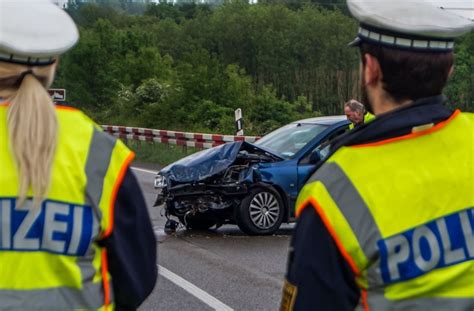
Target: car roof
point(328, 120)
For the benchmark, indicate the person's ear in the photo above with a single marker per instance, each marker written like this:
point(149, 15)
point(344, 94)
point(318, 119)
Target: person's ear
point(372, 70)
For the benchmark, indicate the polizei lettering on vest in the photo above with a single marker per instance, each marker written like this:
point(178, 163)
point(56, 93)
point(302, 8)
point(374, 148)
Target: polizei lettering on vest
point(54, 227)
point(439, 243)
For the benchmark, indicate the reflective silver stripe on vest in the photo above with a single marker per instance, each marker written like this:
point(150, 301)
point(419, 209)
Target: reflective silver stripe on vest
point(377, 302)
point(356, 212)
point(90, 297)
point(98, 160)
point(351, 204)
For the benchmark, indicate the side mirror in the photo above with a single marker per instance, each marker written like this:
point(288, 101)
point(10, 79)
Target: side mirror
point(315, 157)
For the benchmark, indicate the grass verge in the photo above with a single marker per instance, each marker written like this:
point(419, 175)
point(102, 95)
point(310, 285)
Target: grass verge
point(162, 154)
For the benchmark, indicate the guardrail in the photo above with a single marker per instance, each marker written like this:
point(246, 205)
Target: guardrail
point(197, 140)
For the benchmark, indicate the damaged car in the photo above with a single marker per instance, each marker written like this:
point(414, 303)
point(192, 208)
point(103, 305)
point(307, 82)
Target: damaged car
point(252, 185)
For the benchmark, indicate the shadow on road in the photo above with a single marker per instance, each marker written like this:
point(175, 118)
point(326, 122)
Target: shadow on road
point(222, 232)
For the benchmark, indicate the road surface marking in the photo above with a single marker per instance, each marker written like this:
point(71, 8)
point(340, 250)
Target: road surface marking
point(194, 290)
point(187, 286)
point(142, 170)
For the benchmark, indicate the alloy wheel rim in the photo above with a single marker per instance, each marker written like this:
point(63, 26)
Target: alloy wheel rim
point(264, 210)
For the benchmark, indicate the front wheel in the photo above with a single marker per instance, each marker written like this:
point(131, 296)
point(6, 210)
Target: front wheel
point(260, 212)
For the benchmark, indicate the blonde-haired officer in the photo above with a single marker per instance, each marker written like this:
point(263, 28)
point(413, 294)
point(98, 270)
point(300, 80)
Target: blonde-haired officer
point(387, 223)
point(74, 229)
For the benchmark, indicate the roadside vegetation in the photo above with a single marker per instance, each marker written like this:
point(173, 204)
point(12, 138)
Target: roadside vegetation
point(161, 154)
point(188, 66)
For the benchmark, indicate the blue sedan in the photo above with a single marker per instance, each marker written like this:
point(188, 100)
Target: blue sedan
point(252, 185)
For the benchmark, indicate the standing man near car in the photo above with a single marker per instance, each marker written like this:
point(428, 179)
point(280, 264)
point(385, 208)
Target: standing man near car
point(356, 113)
point(387, 222)
point(75, 233)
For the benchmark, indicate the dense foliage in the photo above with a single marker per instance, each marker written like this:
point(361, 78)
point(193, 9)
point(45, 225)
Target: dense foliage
point(188, 66)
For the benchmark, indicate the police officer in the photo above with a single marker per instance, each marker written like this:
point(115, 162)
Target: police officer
point(74, 228)
point(396, 234)
point(356, 113)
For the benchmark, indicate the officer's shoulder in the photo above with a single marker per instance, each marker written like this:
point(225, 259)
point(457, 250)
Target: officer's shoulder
point(467, 121)
point(468, 115)
point(67, 109)
point(73, 113)
point(74, 119)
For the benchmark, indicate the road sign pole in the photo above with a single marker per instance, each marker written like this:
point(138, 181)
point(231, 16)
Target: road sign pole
point(239, 122)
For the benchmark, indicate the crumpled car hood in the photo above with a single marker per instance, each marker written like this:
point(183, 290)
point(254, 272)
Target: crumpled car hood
point(206, 163)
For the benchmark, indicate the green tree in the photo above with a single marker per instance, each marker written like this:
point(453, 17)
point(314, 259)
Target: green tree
point(189, 66)
point(460, 90)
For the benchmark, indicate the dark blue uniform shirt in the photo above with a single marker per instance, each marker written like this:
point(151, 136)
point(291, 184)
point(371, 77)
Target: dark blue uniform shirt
point(131, 248)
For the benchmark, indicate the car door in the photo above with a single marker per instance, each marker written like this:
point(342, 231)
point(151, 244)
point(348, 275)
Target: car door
point(307, 164)
point(284, 175)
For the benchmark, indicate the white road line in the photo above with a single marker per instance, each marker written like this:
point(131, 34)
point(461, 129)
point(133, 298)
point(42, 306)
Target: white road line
point(194, 290)
point(142, 170)
point(214, 303)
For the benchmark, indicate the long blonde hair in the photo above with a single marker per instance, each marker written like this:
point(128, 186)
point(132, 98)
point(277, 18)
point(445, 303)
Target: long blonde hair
point(32, 125)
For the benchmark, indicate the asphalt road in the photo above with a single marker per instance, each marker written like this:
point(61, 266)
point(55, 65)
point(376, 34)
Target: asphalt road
point(219, 269)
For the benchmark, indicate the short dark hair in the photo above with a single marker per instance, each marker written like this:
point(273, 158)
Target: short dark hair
point(408, 74)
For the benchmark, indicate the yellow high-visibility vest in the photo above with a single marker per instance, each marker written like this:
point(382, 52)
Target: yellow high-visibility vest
point(49, 255)
point(367, 118)
point(401, 212)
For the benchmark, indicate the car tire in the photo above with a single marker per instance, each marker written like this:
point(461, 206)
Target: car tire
point(260, 212)
point(197, 222)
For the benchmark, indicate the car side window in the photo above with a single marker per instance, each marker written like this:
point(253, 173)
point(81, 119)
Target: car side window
point(322, 150)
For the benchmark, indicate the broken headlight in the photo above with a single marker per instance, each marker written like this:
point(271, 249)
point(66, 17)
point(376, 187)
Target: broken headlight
point(160, 181)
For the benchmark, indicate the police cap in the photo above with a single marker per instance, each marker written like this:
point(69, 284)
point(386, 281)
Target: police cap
point(407, 24)
point(34, 32)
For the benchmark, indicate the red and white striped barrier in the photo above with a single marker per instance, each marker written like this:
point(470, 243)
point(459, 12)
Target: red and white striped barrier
point(197, 140)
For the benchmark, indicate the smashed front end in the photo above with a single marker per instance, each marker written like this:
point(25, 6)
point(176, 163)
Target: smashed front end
point(211, 183)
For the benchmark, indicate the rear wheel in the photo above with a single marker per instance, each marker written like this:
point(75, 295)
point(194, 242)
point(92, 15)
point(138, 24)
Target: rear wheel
point(261, 212)
point(198, 222)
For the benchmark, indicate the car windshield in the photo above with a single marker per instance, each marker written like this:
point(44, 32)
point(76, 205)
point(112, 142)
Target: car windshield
point(291, 138)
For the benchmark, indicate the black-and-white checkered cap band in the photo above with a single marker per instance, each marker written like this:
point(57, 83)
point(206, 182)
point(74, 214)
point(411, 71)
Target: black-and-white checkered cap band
point(24, 60)
point(374, 37)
